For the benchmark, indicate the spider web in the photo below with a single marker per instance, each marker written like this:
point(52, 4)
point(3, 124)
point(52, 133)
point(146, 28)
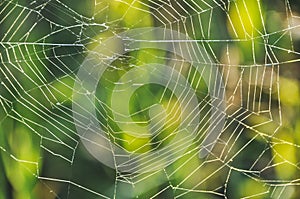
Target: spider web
point(239, 46)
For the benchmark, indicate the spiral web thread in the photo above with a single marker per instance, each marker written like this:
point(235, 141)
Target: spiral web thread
point(43, 44)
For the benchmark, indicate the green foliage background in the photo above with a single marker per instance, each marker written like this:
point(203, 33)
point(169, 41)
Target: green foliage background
point(36, 92)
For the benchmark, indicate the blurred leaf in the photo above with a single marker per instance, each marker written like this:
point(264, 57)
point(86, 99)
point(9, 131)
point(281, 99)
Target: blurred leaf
point(21, 166)
point(285, 157)
point(289, 92)
point(255, 189)
point(245, 22)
